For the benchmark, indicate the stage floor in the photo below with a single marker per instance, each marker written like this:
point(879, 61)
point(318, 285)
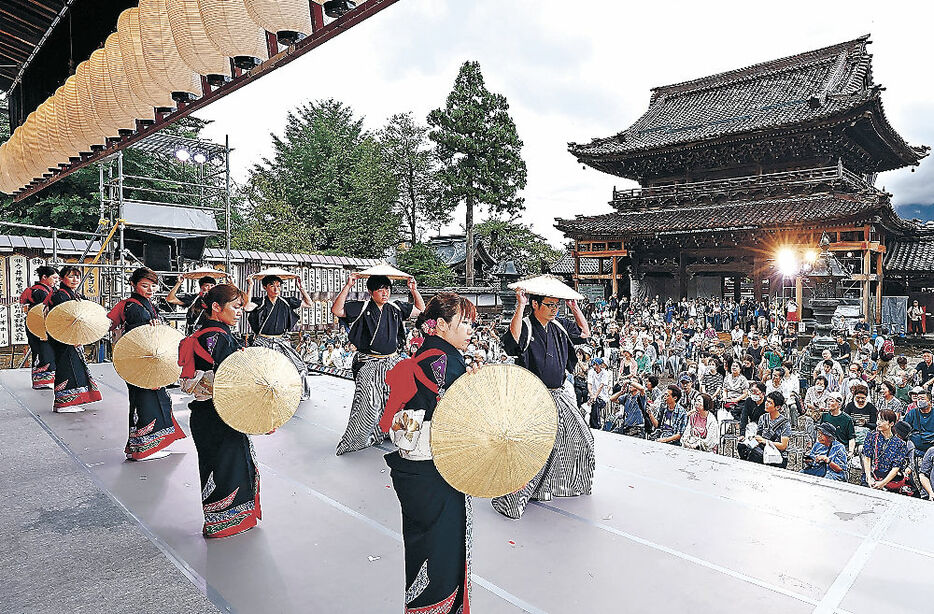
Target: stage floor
point(666, 530)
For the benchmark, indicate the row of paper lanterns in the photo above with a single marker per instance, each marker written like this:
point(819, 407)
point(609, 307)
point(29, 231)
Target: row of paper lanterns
point(158, 54)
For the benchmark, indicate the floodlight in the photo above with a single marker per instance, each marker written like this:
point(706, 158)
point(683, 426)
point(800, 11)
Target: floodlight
point(182, 154)
point(787, 262)
point(200, 158)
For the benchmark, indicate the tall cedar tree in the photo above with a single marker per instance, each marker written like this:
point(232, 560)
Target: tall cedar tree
point(329, 176)
point(479, 149)
point(414, 163)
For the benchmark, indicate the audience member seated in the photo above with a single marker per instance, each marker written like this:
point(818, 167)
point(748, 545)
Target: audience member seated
point(753, 406)
point(921, 420)
point(670, 423)
point(703, 431)
point(862, 411)
point(884, 455)
point(846, 430)
point(827, 458)
point(630, 419)
point(774, 429)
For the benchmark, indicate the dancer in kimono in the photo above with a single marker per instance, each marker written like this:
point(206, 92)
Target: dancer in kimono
point(544, 345)
point(377, 331)
point(74, 385)
point(152, 424)
point(226, 461)
point(43, 357)
point(436, 518)
point(271, 317)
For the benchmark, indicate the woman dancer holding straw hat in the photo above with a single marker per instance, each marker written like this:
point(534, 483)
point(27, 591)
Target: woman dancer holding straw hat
point(544, 345)
point(152, 425)
point(377, 331)
point(435, 516)
point(272, 316)
point(74, 385)
point(43, 357)
point(226, 462)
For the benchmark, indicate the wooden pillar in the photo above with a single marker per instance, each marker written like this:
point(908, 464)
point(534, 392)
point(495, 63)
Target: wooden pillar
point(577, 269)
point(756, 280)
point(737, 289)
point(867, 271)
point(682, 277)
point(799, 295)
point(614, 283)
point(879, 288)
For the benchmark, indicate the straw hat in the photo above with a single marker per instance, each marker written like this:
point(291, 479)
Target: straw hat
point(77, 322)
point(35, 321)
point(278, 272)
point(547, 285)
point(256, 390)
point(147, 356)
point(385, 269)
point(204, 272)
point(493, 431)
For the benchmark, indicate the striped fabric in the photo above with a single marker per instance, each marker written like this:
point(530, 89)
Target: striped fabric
point(369, 400)
point(569, 470)
point(281, 345)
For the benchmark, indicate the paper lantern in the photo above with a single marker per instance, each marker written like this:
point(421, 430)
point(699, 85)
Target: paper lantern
point(192, 41)
point(6, 183)
point(99, 126)
point(77, 126)
point(105, 99)
point(165, 65)
point(45, 121)
point(59, 135)
point(56, 155)
point(131, 45)
point(17, 168)
point(289, 19)
point(30, 146)
point(232, 32)
point(116, 78)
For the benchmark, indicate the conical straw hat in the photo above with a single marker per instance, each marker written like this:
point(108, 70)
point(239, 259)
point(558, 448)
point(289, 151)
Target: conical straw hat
point(385, 269)
point(204, 272)
point(277, 271)
point(493, 430)
point(35, 321)
point(147, 356)
point(77, 322)
point(256, 390)
point(547, 285)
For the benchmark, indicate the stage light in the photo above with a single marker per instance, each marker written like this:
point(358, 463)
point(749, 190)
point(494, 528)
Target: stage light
point(787, 262)
point(200, 158)
point(182, 154)
point(810, 255)
point(336, 8)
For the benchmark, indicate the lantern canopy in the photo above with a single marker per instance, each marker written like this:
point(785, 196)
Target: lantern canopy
point(289, 19)
point(99, 126)
point(165, 65)
point(232, 32)
point(128, 102)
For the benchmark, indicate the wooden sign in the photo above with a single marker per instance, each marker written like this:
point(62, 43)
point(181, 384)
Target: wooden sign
point(4, 287)
point(5, 324)
point(18, 277)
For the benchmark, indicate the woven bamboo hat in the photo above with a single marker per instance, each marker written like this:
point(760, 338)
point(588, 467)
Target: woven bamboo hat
point(493, 431)
point(35, 321)
point(278, 272)
point(147, 356)
point(77, 322)
point(547, 285)
point(385, 269)
point(204, 272)
point(256, 390)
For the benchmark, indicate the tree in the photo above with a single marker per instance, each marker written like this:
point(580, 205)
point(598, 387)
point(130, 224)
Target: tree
point(421, 261)
point(509, 240)
point(327, 175)
point(414, 164)
point(479, 149)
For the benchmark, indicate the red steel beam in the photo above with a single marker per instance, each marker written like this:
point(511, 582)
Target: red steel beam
point(322, 34)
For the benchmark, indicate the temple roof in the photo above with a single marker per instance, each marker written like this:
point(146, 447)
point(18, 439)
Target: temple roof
point(911, 255)
point(799, 90)
point(795, 212)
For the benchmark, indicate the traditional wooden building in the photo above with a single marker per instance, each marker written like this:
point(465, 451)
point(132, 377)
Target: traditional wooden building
point(738, 167)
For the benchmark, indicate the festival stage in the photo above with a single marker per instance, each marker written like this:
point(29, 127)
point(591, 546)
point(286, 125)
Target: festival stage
point(666, 530)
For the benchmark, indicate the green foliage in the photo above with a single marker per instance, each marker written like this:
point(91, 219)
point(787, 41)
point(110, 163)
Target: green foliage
point(414, 163)
point(479, 149)
point(329, 178)
point(507, 240)
point(421, 261)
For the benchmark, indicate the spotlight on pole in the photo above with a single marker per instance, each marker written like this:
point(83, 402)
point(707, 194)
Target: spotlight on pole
point(200, 158)
point(810, 255)
point(182, 154)
point(787, 262)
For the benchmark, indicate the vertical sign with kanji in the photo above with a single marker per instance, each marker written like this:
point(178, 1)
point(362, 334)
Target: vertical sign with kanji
point(4, 286)
point(5, 324)
point(18, 283)
point(34, 263)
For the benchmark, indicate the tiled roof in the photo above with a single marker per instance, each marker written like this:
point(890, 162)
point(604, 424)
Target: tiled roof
point(911, 255)
point(565, 266)
point(770, 213)
point(790, 91)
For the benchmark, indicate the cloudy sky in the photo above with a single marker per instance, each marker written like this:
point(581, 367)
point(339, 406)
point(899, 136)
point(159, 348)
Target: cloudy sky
point(576, 70)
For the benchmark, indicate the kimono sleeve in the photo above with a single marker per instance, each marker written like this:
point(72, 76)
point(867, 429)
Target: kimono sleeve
point(187, 299)
point(352, 311)
point(405, 308)
point(220, 346)
point(513, 347)
point(135, 315)
point(573, 330)
point(293, 302)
